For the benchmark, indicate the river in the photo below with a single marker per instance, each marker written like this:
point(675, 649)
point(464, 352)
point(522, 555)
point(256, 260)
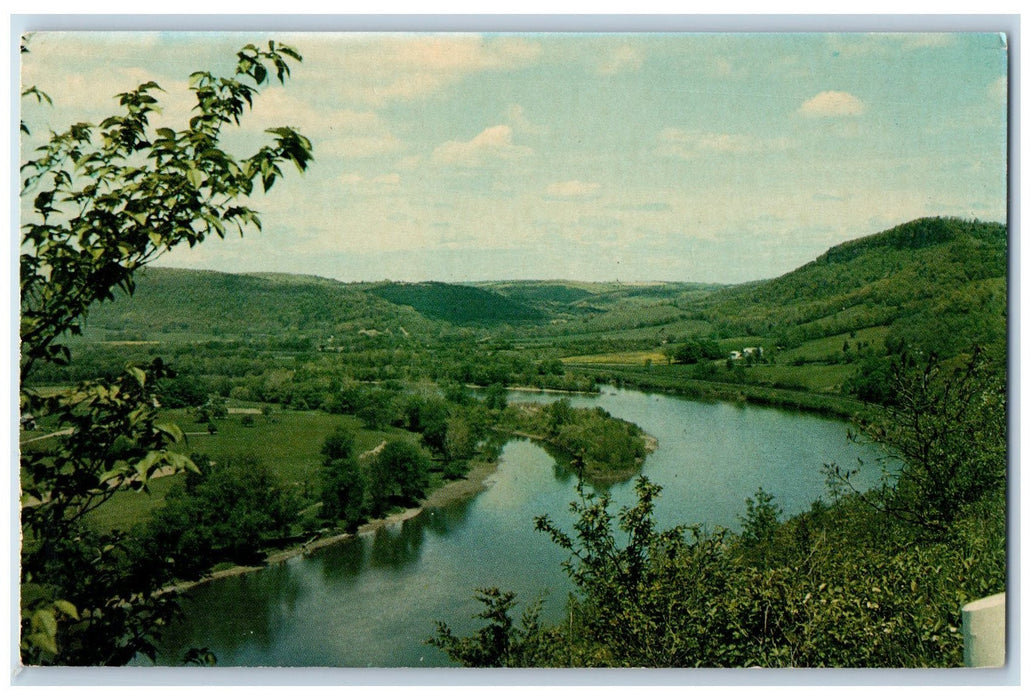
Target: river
point(372, 601)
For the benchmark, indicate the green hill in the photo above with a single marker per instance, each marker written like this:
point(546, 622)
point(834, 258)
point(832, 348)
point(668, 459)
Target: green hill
point(938, 283)
point(457, 304)
point(205, 303)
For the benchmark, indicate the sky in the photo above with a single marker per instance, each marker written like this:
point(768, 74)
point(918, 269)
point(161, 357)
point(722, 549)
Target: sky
point(716, 157)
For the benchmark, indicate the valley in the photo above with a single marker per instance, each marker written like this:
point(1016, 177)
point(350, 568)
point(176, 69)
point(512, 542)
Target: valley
point(311, 406)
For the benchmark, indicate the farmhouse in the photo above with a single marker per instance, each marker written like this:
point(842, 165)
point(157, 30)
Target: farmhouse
point(755, 353)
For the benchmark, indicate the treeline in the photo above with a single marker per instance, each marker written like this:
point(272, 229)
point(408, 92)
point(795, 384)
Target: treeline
point(301, 377)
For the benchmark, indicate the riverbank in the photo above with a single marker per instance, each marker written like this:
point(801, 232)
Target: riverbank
point(476, 480)
point(836, 406)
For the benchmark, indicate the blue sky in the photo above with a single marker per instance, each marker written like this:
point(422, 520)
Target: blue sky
point(692, 157)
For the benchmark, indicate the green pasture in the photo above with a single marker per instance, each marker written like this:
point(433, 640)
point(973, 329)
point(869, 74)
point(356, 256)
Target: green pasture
point(824, 347)
point(290, 444)
point(127, 508)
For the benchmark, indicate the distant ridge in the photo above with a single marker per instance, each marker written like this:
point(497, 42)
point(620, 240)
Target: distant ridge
point(936, 282)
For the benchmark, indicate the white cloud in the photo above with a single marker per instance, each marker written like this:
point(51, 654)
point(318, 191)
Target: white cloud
point(369, 183)
point(693, 144)
point(623, 58)
point(832, 103)
point(377, 69)
point(573, 189)
point(493, 143)
point(340, 132)
point(409, 163)
point(357, 146)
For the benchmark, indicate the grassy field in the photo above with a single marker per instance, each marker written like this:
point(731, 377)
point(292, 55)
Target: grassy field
point(824, 379)
point(290, 444)
point(127, 508)
point(823, 347)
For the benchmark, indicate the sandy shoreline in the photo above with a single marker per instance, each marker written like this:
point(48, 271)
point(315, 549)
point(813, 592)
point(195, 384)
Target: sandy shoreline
point(477, 480)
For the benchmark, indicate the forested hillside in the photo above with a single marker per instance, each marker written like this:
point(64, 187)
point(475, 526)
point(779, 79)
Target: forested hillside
point(938, 283)
point(458, 304)
point(211, 304)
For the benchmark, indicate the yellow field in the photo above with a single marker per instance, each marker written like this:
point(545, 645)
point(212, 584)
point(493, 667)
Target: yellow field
point(638, 357)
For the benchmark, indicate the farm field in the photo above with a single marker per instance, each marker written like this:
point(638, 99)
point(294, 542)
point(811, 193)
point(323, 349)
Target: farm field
point(290, 444)
point(641, 357)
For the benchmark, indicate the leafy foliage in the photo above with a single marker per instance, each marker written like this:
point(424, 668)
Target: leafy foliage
point(695, 350)
point(106, 200)
point(343, 481)
point(839, 587)
point(947, 429)
point(226, 513)
point(759, 523)
point(600, 447)
point(399, 471)
point(499, 643)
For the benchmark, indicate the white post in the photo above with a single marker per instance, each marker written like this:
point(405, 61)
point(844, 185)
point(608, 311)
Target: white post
point(984, 632)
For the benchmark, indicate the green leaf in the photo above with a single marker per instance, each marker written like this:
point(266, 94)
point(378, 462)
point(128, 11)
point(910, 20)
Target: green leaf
point(67, 608)
point(146, 465)
point(43, 619)
point(170, 429)
point(138, 374)
point(111, 474)
point(43, 641)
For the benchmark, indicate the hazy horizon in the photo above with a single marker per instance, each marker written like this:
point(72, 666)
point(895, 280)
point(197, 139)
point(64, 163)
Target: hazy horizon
point(705, 158)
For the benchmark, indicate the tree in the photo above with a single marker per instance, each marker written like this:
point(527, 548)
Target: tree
point(499, 643)
point(688, 353)
point(224, 515)
point(946, 430)
point(400, 470)
point(106, 200)
point(343, 483)
point(496, 397)
point(759, 523)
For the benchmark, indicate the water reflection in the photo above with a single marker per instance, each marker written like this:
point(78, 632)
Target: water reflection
point(396, 547)
point(445, 519)
point(372, 600)
point(343, 561)
point(230, 613)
